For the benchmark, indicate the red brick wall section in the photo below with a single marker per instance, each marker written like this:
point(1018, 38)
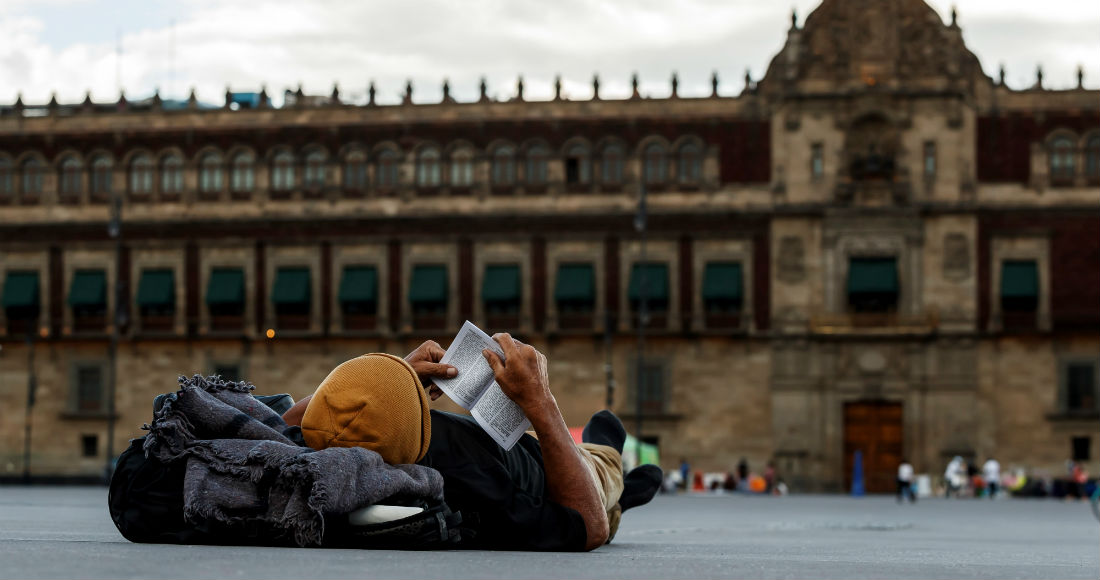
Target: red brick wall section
point(1004, 140)
point(1074, 265)
point(744, 151)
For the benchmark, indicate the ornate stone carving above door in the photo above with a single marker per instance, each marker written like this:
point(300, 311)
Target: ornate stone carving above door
point(956, 256)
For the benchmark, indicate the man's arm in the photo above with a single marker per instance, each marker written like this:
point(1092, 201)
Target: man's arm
point(523, 377)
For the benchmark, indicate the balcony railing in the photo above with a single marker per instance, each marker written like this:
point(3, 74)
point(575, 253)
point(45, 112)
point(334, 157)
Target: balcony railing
point(874, 323)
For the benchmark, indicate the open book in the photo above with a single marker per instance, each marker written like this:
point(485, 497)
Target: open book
point(475, 389)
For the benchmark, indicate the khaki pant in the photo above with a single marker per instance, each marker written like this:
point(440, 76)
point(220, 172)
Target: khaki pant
point(606, 467)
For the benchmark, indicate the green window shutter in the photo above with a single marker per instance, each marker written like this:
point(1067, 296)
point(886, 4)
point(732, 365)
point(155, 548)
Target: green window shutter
point(88, 288)
point(359, 284)
point(157, 288)
point(428, 284)
point(722, 281)
point(872, 275)
point(225, 287)
point(21, 290)
point(656, 276)
point(292, 286)
point(576, 283)
point(1019, 279)
point(501, 283)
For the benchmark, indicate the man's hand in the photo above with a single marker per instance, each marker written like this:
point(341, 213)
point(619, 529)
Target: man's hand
point(522, 374)
point(425, 361)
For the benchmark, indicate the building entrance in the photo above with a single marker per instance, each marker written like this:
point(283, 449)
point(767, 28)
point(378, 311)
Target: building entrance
point(875, 428)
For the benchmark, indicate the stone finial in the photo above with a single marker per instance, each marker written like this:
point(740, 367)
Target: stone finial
point(1039, 77)
point(192, 100)
point(634, 94)
point(371, 93)
point(18, 101)
point(483, 87)
point(714, 84)
point(299, 94)
point(408, 99)
point(52, 105)
point(1001, 75)
point(335, 93)
point(794, 19)
point(557, 88)
point(122, 102)
point(519, 88)
point(446, 91)
point(228, 97)
point(748, 81)
point(675, 86)
point(595, 87)
point(87, 99)
point(954, 16)
point(157, 102)
point(263, 97)
point(1080, 76)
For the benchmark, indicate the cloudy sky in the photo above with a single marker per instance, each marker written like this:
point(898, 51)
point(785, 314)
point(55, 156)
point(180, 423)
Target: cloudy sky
point(72, 46)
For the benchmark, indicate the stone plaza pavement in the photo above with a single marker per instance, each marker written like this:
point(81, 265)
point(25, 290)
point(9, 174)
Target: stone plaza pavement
point(65, 532)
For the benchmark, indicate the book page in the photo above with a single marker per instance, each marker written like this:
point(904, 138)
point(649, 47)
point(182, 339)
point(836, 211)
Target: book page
point(500, 417)
point(474, 373)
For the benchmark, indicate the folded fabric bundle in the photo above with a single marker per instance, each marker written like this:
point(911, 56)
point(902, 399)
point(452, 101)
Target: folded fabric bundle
point(245, 472)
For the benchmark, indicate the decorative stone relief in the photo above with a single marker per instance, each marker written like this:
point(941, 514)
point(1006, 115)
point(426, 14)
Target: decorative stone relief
point(872, 362)
point(956, 257)
point(792, 257)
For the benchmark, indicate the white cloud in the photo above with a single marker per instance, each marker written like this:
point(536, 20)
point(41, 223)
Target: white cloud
point(280, 43)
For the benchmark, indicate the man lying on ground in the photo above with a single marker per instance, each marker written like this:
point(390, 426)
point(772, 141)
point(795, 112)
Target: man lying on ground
point(546, 493)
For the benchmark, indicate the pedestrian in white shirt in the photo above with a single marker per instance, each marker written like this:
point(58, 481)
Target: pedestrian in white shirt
point(905, 481)
point(991, 473)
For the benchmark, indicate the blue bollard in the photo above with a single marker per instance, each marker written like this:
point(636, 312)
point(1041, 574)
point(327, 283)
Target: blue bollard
point(857, 474)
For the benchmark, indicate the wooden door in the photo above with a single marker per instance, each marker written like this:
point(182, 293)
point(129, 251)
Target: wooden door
point(875, 428)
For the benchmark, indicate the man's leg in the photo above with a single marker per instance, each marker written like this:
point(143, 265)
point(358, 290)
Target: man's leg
point(605, 464)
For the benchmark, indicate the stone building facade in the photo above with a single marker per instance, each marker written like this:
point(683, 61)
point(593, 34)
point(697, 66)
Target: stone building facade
point(874, 247)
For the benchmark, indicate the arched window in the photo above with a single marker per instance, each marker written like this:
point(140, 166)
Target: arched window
point(462, 168)
point(141, 175)
point(7, 184)
point(536, 165)
point(427, 168)
point(355, 171)
point(32, 176)
point(386, 176)
point(282, 172)
point(171, 175)
point(314, 175)
point(71, 180)
point(578, 165)
point(210, 173)
point(101, 175)
point(611, 165)
point(1092, 158)
point(655, 164)
point(242, 178)
point(503, 172)
point(690, 164)
point(1061, 160)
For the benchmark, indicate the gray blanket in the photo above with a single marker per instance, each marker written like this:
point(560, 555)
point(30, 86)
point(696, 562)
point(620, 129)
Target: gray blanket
point(243, 471)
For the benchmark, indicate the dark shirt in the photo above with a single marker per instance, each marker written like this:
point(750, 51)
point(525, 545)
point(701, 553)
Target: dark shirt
point(501, 494)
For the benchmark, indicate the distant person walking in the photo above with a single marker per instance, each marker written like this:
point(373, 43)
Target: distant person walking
point(685, 473)
point(954, 477)
point(905, 482)
point(991, 473)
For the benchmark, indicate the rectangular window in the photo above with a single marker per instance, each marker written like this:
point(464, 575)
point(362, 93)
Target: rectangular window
point(1019, 286)
point(229, 372)
point(873, 285)
point(88, 299)
point(156, 296)
point(89, 388)
point(225, 298)
point(722, 294)
point(1081, 448)
point(291, 295)
point(817, 161)
point(1080, 380)
point(89, 445)
point(358, 297)
point(575, 295)
point(428, 294)
point(20, 300)
point(500, 295)
point(649, 387)
point(929, 160)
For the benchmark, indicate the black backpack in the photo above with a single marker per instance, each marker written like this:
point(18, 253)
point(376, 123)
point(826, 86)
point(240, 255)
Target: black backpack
point(146, 503)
